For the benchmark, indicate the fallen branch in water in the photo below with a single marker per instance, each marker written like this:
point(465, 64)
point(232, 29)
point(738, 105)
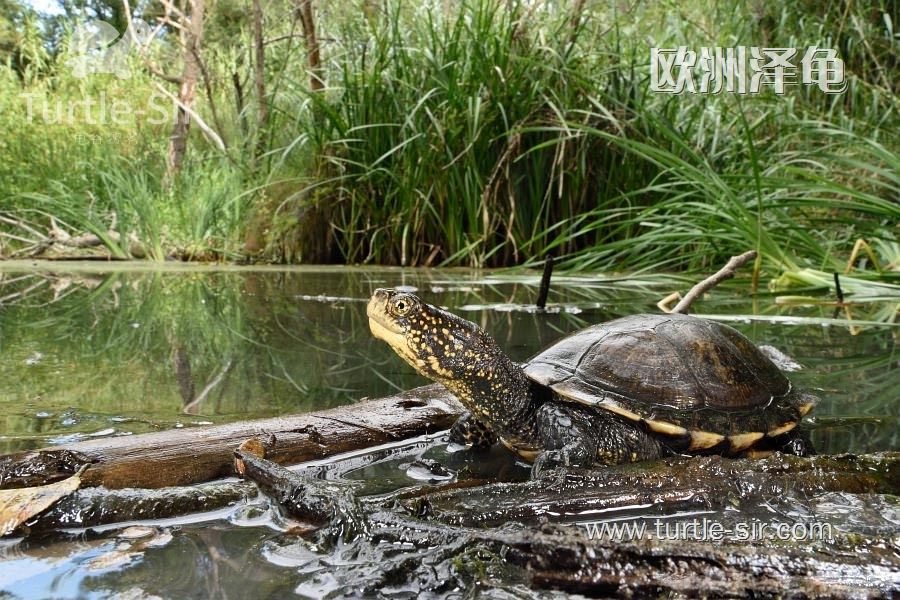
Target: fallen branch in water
point(199, 454)
point(726, 272)
point(95, 506)
point(38, 244)
point(314, 501)
point(698, 483)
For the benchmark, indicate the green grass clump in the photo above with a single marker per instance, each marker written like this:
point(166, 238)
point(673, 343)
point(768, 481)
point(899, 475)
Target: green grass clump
point(494, 134)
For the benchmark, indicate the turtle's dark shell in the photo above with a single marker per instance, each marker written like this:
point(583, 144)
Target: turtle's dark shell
point(678, 375)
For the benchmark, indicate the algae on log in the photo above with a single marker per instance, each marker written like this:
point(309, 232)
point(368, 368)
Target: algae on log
point(200, 454)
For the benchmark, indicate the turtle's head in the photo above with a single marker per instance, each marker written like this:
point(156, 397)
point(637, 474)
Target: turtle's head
point(454, 352)
point(437, 343)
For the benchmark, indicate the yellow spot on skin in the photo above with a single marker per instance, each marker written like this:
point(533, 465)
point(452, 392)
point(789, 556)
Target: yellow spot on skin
point(606, 457)
point(395, 340)
point(436, 367)
point(803, 409)
point(742, 441)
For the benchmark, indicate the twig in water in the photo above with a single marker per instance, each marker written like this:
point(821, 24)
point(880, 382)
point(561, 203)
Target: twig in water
point(545, 283)
point(710, 282)
point(191, 407)
point(837, 288)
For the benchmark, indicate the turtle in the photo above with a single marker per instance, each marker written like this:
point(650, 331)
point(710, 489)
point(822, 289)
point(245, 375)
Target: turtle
point(636, 388)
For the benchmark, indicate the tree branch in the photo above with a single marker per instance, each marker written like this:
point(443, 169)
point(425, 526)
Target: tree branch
point(726, 272)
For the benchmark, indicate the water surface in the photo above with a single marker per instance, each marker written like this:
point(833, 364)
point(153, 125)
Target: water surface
point(91, 350)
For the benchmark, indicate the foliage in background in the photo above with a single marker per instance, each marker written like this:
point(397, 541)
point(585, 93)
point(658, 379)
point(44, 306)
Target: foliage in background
point(484, 133)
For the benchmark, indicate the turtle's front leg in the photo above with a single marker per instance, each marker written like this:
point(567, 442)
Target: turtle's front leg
point(469, 431)
point(582, 437)
point(568, 438)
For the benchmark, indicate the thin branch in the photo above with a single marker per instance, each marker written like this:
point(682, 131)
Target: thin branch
point(726, 272)
point(210, 134)
point(190, 406)
point(176, 79)
point(142, 49)
point(282, 38)
point(209, 93)
point(20, 224)
point(23, 293)
point(17, 238)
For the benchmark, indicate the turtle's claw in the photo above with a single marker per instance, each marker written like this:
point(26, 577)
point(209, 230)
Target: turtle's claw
point(468, 431)
point(551, 466)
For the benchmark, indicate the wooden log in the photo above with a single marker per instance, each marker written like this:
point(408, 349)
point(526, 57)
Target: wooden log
point(95, 506)
point(198, 454)
point(422, 552)
point(697, 483)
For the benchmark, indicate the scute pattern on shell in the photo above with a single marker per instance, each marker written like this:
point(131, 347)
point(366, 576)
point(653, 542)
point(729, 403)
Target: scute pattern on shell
point(661, 363)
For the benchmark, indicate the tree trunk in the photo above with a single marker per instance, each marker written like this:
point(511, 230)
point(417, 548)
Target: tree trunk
point(192, 41)
point(260, 78)
point(199, 454)
point(307, 19)
point(239, 102)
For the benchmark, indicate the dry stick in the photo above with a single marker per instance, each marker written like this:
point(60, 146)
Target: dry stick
point(193, 404)
point(211, 135)
point(712, 281)
point(837, 289)
point(21, 225)
point(545, 283)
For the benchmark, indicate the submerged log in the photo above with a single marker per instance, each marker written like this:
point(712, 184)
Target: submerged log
point(698, 483)
point(315, 502)
point(186, 456)
point(95, 506)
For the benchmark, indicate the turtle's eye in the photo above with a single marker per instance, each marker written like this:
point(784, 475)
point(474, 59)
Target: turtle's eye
point(401, 305)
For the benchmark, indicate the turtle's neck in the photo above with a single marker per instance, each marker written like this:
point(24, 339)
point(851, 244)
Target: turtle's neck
point(495, 390)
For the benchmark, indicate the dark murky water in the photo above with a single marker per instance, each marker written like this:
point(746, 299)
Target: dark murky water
point(88, 350)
